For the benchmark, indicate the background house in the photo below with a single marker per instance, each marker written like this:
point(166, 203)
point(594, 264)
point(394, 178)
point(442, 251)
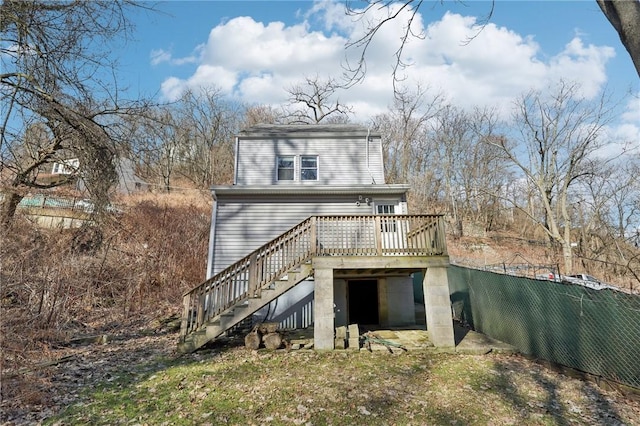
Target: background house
point(66, 167)
point(128, 181)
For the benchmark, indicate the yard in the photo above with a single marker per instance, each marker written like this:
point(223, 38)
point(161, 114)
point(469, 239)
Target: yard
point(139, 379)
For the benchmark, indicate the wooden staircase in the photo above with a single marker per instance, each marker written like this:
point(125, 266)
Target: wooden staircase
point(223, 301)
point(242, 310)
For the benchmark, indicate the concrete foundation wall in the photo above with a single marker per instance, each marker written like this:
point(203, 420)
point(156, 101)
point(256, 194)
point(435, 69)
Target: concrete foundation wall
point(400, 304)
point(56, 222)
point(324, 310)
point(438, 307)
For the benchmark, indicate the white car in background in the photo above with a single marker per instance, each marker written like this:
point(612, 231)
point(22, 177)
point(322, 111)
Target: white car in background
point(586, 281)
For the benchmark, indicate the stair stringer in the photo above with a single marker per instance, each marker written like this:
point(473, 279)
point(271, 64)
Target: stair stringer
point(245, 308)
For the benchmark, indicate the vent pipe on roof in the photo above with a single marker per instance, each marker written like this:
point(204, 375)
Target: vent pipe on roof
point(373, 181)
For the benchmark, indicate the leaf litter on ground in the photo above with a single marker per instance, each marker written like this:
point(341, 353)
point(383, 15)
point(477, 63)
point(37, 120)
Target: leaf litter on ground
point(140, 379)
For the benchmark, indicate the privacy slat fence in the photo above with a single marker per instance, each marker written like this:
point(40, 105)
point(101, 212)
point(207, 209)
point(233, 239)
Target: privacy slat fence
point(366, 235)
point(590, 330)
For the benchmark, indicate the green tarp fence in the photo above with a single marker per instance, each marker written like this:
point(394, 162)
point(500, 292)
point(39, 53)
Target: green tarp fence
point(595, 331)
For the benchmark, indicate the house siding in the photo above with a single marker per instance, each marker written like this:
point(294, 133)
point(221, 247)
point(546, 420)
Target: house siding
point(244, 224)
point(340, 160)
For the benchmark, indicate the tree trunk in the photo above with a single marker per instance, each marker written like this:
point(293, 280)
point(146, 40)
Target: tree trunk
point(8, 207)
point(567, 256)
point(624, 16)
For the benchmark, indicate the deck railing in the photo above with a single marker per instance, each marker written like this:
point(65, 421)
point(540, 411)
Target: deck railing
point(364, 235)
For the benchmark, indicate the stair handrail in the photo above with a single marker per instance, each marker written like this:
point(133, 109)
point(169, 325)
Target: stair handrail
point(223, 290)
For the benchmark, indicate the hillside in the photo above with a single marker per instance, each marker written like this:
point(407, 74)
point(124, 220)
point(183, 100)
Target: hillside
point(126, 282)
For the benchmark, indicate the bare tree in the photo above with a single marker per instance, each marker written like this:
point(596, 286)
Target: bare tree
point(154, 142)
point(480, 173)
point(57, 76)
point(471, 170)
point(209, 123)
point(319, 102)
point(554, 152)
point(443, 152)
point(618, 191)
point(263, 114)
point(624, 16)
point(404, 132)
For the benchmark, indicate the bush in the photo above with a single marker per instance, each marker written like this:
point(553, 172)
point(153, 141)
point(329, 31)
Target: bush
point(136, 267)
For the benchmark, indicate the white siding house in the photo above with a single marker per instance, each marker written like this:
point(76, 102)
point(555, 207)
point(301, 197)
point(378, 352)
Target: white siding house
point(312, 200)
point(285, 174)
point(308, 155)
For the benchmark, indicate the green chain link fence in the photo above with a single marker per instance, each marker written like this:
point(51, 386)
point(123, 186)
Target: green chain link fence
point(594, 331)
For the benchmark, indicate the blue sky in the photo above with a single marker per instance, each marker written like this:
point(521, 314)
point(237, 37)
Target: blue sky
point(254, 50)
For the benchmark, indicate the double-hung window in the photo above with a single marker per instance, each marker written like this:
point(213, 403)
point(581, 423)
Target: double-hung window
point(309, 167)
point(297, 168)
point(286, 167)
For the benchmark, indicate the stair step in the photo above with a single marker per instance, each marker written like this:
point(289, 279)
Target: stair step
point(235, 315)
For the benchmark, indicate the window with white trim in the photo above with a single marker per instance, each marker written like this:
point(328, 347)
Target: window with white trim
point(286, 167)
point(309, 167)
point(297, 168)
point(386, 208)
point(388, 225)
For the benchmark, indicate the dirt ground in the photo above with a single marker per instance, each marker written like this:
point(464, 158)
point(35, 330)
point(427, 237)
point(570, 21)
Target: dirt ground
point(35, 394)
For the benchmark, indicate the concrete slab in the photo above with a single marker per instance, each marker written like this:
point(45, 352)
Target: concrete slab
point(471, 342)
point(416, 338)
point(467, 341)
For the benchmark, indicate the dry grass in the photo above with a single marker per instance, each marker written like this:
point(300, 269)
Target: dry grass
point(177, 198)
point(228, 384)
point(58, 284)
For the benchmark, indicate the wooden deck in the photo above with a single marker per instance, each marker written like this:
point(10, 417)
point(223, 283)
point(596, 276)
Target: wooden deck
point(370, 244)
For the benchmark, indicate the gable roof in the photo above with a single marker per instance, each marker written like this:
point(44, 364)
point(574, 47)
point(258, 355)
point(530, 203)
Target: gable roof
point(307, 130)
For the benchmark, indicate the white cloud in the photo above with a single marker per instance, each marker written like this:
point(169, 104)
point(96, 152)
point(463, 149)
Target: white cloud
point(255, 61)
point(632, 111)
point(159, 56)
point(623, 136)
point(628, 130)
point(243, 44)
point(173, 87)
point(583, 64)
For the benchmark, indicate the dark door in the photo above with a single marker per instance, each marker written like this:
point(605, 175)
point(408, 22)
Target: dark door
point(363, 302)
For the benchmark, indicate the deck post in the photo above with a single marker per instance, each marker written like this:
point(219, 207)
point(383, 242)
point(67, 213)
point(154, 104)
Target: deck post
point(184, 324)
point(438, 307)
point(313, 246)
point(324, 316)
point(378, 230)
point(254, 291)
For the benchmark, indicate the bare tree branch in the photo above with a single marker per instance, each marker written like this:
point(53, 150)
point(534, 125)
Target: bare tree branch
point(320, 102)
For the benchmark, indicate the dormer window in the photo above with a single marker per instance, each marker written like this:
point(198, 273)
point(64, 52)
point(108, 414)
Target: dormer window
point(286, 167)
point(309, 167)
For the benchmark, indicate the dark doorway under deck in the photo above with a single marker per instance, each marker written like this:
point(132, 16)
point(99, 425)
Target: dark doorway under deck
point(363, 302)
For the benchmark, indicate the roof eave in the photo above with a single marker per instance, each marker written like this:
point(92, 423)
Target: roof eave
point(311, 189)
